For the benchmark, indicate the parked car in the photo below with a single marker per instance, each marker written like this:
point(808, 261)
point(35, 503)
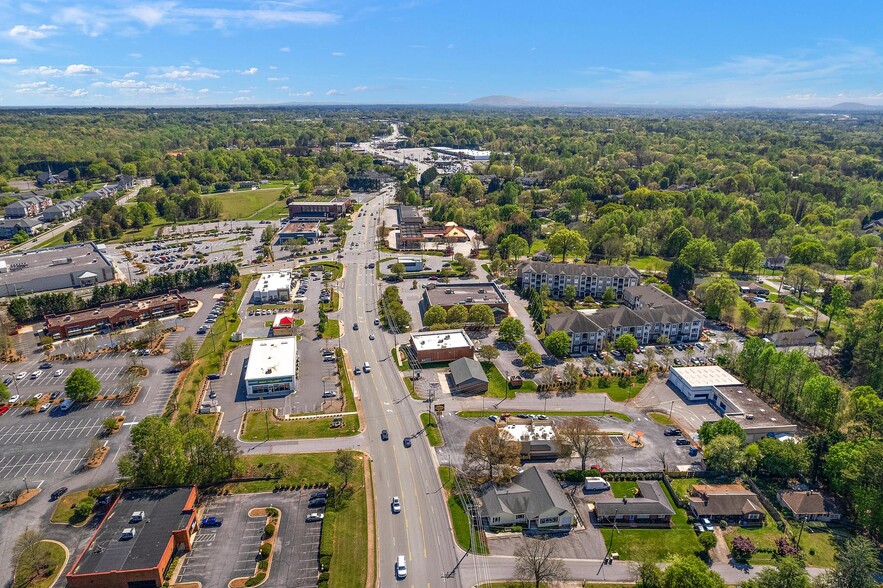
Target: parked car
point(682, 441)
point(57, 493)
point(36, 374)
point(708, 525)
point(14, 398)
point(673, 432)
point(46, 407)
point(315, 517)
point(319, 494)
point(212, 521)
point(45, 365)
point(214, 376)
point(58, 372)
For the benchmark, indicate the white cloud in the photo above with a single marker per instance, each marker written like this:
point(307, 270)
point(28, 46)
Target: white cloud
point(285, 49)
point(46, 89)
point(135, 55)
point(43, 70)
point(81, 69)
point(333, 93)
point(250, 71)
point(450, 45)
point(279, 79)
point(243, 98)
point(8, 61)
point(204, 91)
point(185, 75)
point(91, 21)
point(301, 94)
point(23, 33)
point(79, 93)
point(360, 88)
point(150, 15)
point(286, 88)
point(338, 54)
point(245, 91)
point(141, 87)
point(132, 74)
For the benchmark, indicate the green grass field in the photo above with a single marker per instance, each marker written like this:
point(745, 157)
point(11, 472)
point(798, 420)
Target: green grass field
point(459, 518)
point(649, 263)
point(332, 329)
point(614, 392)
point(54, 557)
point(260, 426)
point(660, 418)
point(433, 433)
point(64, 507)
point(654, 544)
point(263, 204)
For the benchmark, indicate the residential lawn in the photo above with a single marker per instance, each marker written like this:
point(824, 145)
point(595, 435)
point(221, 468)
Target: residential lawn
point(260, 426)
point(623, 489)
point(244, 204)
point(823, 545)
point(614, 391)
point(660, 418)
point(682, 486)
point(64, 507)
point(471, 414)
point(655, 544)
point(208, 358)
point(459, 518)
point(649, 263)
point(54, 557)
point(497, 384)
point(332, 328)
point(762, 537)
point(433, 433)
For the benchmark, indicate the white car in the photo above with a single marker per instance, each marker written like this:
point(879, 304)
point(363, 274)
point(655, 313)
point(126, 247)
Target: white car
point(14, 398)
point(396, 505)
point(38, 396)
point(315, 517)
point(21, 375)
point(46, 407)
point(57, 373)
point(401, 567)
point(36, 374)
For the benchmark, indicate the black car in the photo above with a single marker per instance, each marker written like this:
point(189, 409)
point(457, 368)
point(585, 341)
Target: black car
point(323, 494)
point(384, 435)
point(55, 395)
point(673, 432)
point(682, 441)
point(102, 500)
point(214, 376)
point(57, 494)
point(45, 365)
point(317, 502)
point(407, 441)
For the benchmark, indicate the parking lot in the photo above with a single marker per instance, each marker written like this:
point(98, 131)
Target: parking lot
point(231, 551)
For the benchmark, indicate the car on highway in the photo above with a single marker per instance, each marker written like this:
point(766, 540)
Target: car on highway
point(396, 505)
point(45, 407)
point(212, 521)
point(58, 372)
point(407, 442)
point(57, 493)
point(315, 517)
point(401, 567)
point(371, 337)
point(384, 435)
point(357, 371)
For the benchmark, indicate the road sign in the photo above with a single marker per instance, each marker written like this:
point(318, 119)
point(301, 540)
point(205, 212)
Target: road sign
point(439, 408)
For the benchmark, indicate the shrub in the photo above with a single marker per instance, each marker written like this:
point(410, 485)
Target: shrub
point(812, 551)
point(83, 509)
point(743, 548)
point(324, 576)
point(604, 382)
point(784, 547)
point(325, 562)
point(643, 378)
point(263, 565)
point(516, 528)
point(256, 579)
point(266, 548)
point(272, 512)
point(624, 382)
point(269, 530)
point(724, 524)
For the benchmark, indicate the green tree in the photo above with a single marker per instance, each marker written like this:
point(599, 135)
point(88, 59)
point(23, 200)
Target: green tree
point(570, 294)
point(481, 315)
point(398, 270)
point(513, 246)
point(677, 240)
point(567, 241)
point(857, 563)
point(4, 392)
point(157, 456)
point(435, 315)
point(787, 572)
point(511, 330)
point(707, 540)
point(344, 465)
point(488, 352)
point(558, 343)
point(185, 351)
point(782, 460)
point(718, 294)
point(267, 235)
point(725, 426)
point(609, 296)
point(626, 343)
point(532, 360)
point(745, 255)
point(523, 348)
point(724, 454)
point(700, 254)
point(837, 305)
point(457, 314)
point(680, 277)
point(688, 571)
point(803, 279)
point(81, 385)
point(648, 573)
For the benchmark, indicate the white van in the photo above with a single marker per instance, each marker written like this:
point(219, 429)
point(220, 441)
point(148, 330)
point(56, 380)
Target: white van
point(595, 483)
point(66, 404)
point(401, 568)
point(366, 368)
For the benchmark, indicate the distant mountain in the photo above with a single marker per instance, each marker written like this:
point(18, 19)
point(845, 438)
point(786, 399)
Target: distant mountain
point(498, 101)
point(854, 106)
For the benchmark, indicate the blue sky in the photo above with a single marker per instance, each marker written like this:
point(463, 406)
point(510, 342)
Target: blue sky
point(192, 52)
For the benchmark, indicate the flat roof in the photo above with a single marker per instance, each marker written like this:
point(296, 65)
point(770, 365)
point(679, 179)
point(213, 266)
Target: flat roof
point(280, 280)
point(448, 339)
point(163, 508)
point(706, 375)
point(742, 402)
point(522, 432)
point(36, 264)
point(111, 309)
point(458, 293)
point(301, 226)
point(272, 358)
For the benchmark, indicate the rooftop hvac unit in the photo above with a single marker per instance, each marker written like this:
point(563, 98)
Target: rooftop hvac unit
point(61, 261)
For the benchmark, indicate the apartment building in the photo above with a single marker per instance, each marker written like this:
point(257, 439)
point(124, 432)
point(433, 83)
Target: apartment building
point(589, 279)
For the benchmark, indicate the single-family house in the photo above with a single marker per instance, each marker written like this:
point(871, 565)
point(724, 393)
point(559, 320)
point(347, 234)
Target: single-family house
point(809, 505)
point(732, 502)
point(649, 508)
point(125, 182)
point(749, 287)
point(801, 337)
point(776, 262)
point(534, 500)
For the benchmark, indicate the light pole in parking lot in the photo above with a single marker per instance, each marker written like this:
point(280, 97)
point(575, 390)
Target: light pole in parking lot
point(15, 381)
point(25, 480)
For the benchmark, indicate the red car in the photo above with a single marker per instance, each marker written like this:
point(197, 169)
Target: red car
point(3, 409)
point(597, 467)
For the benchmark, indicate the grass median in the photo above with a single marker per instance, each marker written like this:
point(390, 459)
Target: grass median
point(65, 507)
point(263, 426)
point(459, 516)
point(28, 574)
point(433, 433)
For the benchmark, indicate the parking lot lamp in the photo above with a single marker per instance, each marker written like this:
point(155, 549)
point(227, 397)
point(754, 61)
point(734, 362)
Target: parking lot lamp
point(15, 381)
point(25, 480)
point(670, 409)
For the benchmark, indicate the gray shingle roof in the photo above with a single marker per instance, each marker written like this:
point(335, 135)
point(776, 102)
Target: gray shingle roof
point(531, 493)
point(580, 269)
point(465, 370)
point(651, 501)
point(572, 322)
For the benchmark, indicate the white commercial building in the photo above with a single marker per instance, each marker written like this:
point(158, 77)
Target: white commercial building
point(412, 264)
point(698, 383)
point(272, 367)
point(272, 287)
